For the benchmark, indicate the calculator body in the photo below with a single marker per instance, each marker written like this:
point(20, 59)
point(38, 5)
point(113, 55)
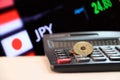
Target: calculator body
point(105, 55)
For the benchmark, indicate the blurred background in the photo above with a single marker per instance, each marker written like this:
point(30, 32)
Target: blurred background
point(23, 23)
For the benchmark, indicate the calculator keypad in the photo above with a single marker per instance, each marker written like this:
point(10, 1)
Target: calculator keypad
point(112, 53)
point(99, 54)
point(62, 56)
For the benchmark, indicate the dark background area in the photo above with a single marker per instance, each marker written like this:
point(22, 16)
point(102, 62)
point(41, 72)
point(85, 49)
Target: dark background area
point(37, 13)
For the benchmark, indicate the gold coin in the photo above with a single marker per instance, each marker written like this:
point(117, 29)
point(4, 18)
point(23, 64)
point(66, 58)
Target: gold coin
point(83, 48)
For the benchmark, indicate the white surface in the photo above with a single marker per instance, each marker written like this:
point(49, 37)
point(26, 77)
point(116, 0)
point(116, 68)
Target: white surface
point(37, 68)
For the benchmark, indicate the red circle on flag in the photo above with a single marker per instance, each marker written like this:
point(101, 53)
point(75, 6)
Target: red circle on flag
point(16, 44)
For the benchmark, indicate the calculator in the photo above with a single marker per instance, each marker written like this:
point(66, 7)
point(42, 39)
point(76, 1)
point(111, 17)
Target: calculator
point(105, 55)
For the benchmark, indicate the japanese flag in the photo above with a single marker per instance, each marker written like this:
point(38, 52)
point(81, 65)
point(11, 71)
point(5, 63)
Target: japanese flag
point(6, 3)
point(10, 21)
point(17, 44)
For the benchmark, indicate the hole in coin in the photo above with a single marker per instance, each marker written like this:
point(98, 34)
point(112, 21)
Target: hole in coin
point(83, 48)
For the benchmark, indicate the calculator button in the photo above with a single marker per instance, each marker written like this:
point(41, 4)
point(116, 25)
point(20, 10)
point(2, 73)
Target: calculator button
point(114, 58)
point(80, 58)
point(111, 52)
point(97, 55)
point(95, 48)
point(62, 54)
point(62, 57)
point(106, 48)
point(96, 51)
point(64, 60)
point(83, 59)
point(99, 58)
point(58, 50)
point(114, 55)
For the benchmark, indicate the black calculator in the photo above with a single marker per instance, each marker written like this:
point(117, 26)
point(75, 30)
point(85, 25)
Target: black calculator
point(104, 57)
